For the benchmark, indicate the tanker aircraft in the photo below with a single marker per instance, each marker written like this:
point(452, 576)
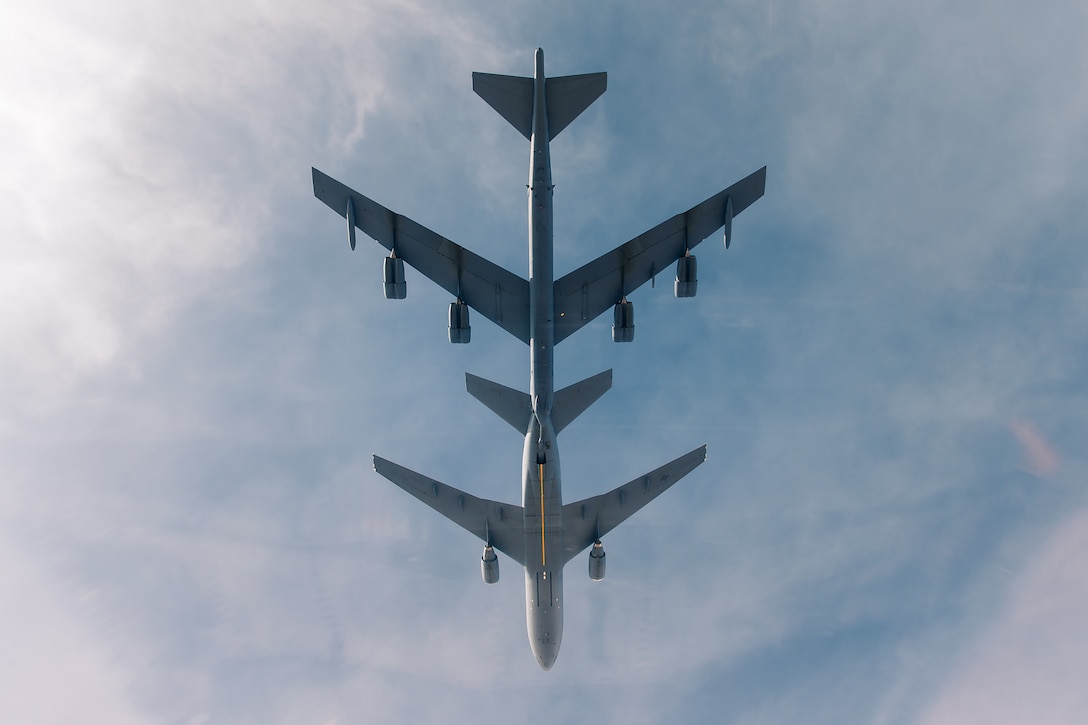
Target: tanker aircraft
point(543, 533)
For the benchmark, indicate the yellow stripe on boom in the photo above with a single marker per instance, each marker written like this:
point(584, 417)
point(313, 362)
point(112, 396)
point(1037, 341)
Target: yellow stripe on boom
point(543, 556)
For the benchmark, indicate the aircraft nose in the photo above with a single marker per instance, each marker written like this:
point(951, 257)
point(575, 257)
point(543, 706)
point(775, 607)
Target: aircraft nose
point(546, 659)
point(546, 654)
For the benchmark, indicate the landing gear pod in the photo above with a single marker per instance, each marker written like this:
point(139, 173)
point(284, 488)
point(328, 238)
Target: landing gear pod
point(489, 565)
point(728, 234)
point(596, 562)
point(351, 224)
point(460, 331)
point(395, 287)
point(686, 283)
point(623, 322)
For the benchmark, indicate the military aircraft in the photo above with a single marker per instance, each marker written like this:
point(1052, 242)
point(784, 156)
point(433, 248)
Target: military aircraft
point(543, 533)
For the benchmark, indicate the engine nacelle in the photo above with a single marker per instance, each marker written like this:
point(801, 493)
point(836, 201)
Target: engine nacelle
point(460, 330)
point(596, 562)
point(686, 282)
point(489, 565)
point(395, 287)
point(623, 322)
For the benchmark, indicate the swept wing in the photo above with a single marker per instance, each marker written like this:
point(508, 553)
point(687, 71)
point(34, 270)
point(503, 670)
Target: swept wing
point(497, 294)
point(587, 520)
point(591, 289)
point(494, 522)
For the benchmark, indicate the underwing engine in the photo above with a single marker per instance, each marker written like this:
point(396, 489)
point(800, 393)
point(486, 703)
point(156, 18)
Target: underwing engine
point(460, 331)
point(686, 282)
point(596, 562)
point(489, 565)
point(395, 287)
point(623, 321)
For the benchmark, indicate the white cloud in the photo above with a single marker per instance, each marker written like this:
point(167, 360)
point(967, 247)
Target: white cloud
point(195, 390)
point(1027, 665)
point(56, 667)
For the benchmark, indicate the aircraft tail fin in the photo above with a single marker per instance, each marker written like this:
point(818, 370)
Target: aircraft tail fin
point(515, 407)
point(573, 400)
point(511, 96)
point(511, 405)
point(568, 96)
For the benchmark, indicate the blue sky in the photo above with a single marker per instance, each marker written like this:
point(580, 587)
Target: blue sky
point(888, 366)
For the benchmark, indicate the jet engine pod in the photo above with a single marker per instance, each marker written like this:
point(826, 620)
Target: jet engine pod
point(623, 322)
point(489, 565)
point(395, 287)
point(686, 283)
point(460, 331)
point(596, 562)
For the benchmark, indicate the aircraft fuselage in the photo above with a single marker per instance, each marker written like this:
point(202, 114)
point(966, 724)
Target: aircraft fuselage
point(542, 497)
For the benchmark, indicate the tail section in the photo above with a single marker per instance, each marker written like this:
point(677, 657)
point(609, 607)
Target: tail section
point(565, 98)
point(572, 401)
point(515, 407)
point(511, 96)
point(568, 96)
point(511, 405)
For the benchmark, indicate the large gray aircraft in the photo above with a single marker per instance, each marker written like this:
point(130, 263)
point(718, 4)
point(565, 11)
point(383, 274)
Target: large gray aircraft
point(543, 533)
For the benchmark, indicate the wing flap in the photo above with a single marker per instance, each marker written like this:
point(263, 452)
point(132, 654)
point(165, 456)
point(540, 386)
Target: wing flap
point(584, 521)
point(501, 524)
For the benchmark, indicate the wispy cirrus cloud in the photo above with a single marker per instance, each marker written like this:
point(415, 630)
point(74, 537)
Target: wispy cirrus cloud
point(199, 371)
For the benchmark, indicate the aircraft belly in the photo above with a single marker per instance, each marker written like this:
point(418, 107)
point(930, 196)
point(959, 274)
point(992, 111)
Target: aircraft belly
point(544, 613)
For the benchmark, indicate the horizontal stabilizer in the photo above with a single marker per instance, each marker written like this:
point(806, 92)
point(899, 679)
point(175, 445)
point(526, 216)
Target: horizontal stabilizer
point(496, 523)
point(572, 401)
point(511, 96)
point(568, 96)
point(586, 521)
point(511, 405)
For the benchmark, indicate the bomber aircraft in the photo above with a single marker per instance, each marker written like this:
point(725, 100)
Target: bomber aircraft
point(543, 533)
